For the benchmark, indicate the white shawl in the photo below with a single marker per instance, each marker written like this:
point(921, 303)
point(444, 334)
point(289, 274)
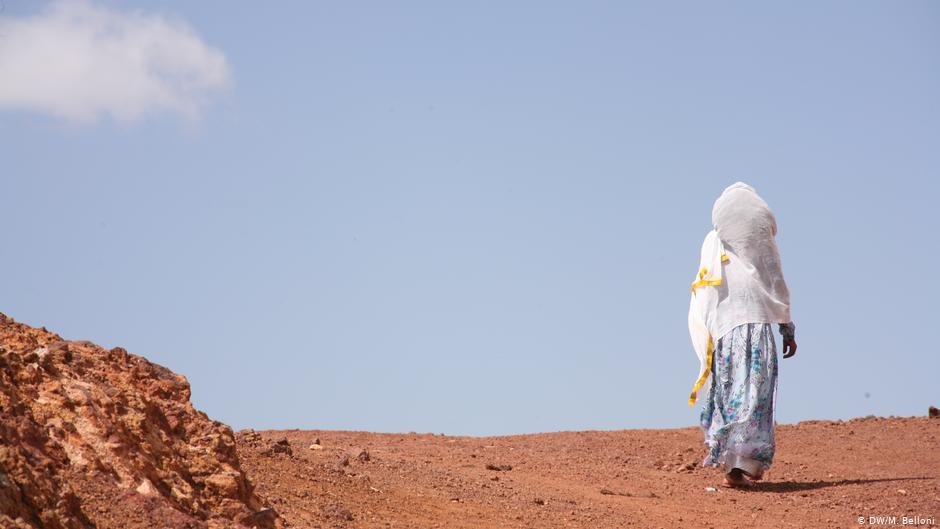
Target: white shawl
point(740, 279)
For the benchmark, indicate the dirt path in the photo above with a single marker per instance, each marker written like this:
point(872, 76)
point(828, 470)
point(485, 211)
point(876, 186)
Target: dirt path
point(826, 474)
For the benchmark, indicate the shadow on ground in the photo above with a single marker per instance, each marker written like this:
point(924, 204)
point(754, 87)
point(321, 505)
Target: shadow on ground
point(795, 486)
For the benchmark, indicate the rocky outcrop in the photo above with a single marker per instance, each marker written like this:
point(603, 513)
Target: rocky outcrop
point(101, 438)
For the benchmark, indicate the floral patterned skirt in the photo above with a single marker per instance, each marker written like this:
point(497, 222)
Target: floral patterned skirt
point(738, 417)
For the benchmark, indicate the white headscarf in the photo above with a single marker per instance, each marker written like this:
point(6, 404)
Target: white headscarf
point(740, 279)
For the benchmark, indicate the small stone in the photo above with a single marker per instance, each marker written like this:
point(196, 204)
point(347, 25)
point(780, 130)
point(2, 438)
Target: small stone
point(539, 501)
point(339, 512)
point(933, 412)
point(608, 492)
point(498, 468)
point(360, 453)
point(281, 446)
point(146, 488)
point(249, 437)
point(711, 489)
point(902, 492)
point(316, 447)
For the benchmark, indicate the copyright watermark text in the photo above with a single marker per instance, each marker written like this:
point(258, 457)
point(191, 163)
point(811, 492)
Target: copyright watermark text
point(897, 520)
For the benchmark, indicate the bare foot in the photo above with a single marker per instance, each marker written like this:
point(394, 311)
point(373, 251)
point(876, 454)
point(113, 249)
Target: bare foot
point(736, 479)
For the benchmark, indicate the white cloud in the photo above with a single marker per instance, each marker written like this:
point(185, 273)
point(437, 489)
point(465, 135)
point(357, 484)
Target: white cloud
point(81, 62)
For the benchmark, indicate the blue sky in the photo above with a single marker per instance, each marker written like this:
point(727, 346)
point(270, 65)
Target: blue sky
point(472, 218)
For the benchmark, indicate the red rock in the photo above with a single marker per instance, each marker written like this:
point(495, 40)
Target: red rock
point(91, 437)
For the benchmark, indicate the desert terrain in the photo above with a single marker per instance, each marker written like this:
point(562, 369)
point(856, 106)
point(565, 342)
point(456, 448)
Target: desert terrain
point(102, 438)
point(826, 474)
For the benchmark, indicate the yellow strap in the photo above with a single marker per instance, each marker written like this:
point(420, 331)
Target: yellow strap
point(706, 283)
point(708, 369)
point(702, 282)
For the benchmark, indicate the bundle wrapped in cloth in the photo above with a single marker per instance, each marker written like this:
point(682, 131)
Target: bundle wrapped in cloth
point(739, 279)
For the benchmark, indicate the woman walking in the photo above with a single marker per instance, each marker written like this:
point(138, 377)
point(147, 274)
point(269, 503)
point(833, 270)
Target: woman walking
point(737, 296)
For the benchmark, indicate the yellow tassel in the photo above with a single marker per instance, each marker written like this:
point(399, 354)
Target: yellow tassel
point(708, 369)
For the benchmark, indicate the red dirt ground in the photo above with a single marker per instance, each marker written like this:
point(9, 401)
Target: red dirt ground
point(826, 474)
point(95, 438)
